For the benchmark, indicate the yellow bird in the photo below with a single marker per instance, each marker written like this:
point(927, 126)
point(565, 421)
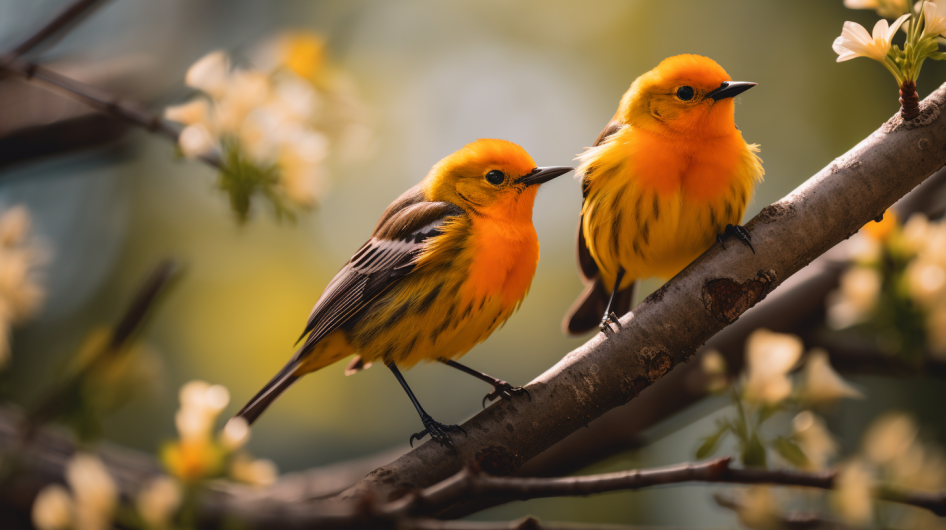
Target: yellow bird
point(448, 262)
point(668, 176)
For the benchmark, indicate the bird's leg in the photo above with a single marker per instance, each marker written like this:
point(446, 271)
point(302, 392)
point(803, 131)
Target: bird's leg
point(609, 316)
point(736, 231)
point(500, 388)
point(436, 430)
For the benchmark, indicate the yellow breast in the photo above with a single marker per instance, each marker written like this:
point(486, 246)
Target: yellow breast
point(466, 284)
point(653, 206)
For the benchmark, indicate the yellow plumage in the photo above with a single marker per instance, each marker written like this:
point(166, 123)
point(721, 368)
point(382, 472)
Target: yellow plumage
point(448, 263)
point(664, 179)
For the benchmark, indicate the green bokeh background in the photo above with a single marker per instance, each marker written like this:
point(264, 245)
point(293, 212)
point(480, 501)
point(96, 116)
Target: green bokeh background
point(436, 75)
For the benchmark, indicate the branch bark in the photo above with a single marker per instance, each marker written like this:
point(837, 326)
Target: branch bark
point(668, 327)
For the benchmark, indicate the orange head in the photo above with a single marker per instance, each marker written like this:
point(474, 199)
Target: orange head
point(489, 177)
point(683, 95)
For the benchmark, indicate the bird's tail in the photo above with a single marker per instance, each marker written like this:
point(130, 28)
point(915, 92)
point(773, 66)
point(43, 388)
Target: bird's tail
point(273, 389)
point(588, 310)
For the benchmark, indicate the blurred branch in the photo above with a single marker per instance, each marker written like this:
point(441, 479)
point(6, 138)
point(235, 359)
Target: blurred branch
point(525, 523)
point(100, 100)
point(64, 393)
point(113, 105)
point(64, 21)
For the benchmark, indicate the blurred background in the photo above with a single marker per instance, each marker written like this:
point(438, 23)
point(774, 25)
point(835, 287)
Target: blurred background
point(431, 76)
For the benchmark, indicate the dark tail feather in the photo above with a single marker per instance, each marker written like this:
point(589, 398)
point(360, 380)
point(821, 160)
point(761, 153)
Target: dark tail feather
point(588, 310)
point(265, 397)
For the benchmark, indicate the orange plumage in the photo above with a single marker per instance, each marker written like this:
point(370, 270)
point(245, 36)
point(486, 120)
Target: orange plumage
point(664, 179)
point(449, 261)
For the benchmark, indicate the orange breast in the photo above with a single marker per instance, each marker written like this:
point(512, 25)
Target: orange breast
point(700, 170)
point(504, 262)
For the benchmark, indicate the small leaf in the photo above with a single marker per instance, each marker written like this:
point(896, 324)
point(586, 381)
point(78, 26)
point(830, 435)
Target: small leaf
point(710, 443)
point(753, 454)
point(790, 451)
point(767, 411)
point(938, 56)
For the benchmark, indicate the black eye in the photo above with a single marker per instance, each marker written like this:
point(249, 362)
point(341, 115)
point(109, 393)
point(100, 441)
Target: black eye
point(495, 177)
point(685, 93)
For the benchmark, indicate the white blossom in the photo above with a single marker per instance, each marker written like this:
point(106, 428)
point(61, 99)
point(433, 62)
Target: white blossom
point(814, 439)
point(769, 358)
point(821, 384)
point(856, 42)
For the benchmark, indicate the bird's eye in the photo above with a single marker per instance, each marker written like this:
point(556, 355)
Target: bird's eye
point(495, 177)
point(685, 93)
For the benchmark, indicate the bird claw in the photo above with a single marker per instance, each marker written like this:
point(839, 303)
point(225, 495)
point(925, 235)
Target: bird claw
point(437, 431)
point(737, 231)
point(607, 321)
point(504, 390)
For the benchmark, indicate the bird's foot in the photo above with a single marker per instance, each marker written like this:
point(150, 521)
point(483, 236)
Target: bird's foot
point(502, 389)
point(437, 431)
point(607, 321)
point(735, 231)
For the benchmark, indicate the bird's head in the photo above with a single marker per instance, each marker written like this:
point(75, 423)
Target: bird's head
point(489, 177)
point(684, 94)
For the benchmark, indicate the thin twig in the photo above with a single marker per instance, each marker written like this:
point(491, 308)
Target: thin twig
point(128, 325)
point(470, 485)
point(105, 102)
point(65, 20)
point(525, 523)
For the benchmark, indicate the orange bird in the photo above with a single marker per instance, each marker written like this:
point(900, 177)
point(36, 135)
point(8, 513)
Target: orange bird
point(668, 176)
point(448, 262)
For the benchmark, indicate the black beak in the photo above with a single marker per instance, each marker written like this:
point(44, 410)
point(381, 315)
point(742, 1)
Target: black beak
point(730, 89)
point(541, 175)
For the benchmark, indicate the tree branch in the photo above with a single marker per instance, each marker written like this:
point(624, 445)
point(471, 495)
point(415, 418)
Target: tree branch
point(668, 327)
point(471, 485)
point(123, 109)
point(65, 20)
point(100, 100)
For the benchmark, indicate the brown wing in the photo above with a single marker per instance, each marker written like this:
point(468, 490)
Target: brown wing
point(586, 264)
point(382, 262)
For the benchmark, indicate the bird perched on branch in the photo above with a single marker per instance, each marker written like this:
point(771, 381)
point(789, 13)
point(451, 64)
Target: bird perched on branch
point(448, 262)
point(668, 176)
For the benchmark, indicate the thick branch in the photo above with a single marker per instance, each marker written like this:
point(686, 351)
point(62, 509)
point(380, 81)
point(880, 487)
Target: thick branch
point(671, 324)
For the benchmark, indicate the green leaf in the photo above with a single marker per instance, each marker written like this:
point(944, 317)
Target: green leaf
point(938, 56)
point(241, 178)
point(766, 412)
point(753, 453)
point(710, 443)
point(790, 451)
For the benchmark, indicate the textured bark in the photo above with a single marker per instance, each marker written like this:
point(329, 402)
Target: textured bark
point(668, 327)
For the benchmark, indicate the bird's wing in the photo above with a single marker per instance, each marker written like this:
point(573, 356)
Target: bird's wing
point(586, 264)
point(383, 261)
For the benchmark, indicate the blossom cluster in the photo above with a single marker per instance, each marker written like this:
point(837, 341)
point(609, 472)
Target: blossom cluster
point(895, 287)
point(892, 454)
point(924, 23)
point(271, 125)
point(92, 501)
point(766, 387)
point(198, 454)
